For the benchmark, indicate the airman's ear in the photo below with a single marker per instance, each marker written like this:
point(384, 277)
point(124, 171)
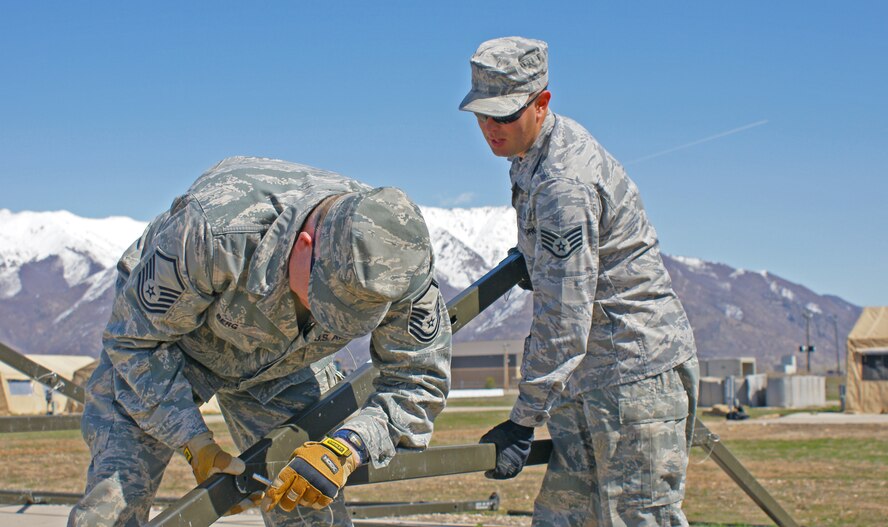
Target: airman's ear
point(542, 102)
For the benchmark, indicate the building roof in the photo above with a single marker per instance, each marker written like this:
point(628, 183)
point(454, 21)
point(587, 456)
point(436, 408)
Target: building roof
point(871, 329)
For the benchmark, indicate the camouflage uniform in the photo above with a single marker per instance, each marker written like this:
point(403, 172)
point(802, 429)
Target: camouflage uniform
point(610, 362)
point(203, 307)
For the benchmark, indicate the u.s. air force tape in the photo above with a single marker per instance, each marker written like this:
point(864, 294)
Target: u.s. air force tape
point(562, 244)
point(424, 321)
point(160, 284)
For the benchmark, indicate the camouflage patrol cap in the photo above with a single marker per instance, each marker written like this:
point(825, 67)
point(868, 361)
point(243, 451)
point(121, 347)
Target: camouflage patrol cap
point(505, 71)
point(371, 245)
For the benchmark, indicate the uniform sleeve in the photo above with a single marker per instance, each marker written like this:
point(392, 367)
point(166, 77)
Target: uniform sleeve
point(411, 349)
point(163, 289)
point(564, 277)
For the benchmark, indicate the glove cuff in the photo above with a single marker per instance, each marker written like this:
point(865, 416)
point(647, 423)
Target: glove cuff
point(340, 448)
point(523, 431)
point(347, 457)
point(196, 443)
point(352, 439)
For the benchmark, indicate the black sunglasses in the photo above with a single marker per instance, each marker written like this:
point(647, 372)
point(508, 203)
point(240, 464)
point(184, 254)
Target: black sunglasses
point(511, 118)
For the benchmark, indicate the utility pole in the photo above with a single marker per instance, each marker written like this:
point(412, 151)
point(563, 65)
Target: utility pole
point(505, 366)
point(835, 322)
point(807, 349)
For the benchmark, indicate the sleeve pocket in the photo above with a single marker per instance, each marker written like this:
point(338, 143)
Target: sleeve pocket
point(575, 291)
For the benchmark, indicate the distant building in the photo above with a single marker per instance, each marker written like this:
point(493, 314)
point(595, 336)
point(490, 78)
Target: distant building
point(788, 365)
point(727, 367)
point(796, 391)
point(486, 364)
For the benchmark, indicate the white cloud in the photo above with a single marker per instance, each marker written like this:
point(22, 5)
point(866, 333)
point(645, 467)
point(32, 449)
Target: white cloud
point(462, 199)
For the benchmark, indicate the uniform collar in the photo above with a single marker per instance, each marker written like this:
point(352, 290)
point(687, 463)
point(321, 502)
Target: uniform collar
point(523, 169)
point(267, 275)
point(268, 266)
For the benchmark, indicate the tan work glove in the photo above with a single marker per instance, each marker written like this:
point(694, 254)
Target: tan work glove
point(207, 458)
point(316, 472)
point(250, 502)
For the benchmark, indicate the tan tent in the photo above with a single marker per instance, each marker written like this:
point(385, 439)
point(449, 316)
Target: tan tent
point(867, 382)
point(21, 395)
point(80, 378)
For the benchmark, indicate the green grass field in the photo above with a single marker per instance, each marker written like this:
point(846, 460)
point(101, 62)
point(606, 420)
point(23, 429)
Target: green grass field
point(823, 475)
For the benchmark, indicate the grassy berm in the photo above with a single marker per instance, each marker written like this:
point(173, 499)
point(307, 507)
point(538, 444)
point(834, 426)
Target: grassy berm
point(823, 475)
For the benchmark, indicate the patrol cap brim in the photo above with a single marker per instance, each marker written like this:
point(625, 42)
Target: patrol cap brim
point(495, 106)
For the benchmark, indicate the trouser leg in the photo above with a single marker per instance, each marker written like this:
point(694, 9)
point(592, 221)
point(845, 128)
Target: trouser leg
point(249, 420)
point(566, 496)
point(636, 454)
point(641, 465)
point(126, 466)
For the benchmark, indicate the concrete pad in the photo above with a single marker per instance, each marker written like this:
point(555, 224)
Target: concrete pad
point(826, 418)
point(57, 516)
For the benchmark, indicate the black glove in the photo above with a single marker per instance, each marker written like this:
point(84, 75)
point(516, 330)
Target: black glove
point(512, 448)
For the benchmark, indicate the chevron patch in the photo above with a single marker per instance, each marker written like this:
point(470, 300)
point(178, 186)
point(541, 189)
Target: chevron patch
point(562, 244)
point(160, 284)
point(424, 321)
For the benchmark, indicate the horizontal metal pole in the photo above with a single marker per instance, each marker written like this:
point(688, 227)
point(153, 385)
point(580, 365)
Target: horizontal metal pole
point(36, 497)
point(434, 461)
point(45, 497)
point(356, 509)
point(41, 374)
point(442, 461)
point(381, 510)
point(39, 423)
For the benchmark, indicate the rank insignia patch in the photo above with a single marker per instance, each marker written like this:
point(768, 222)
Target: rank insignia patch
point(424, 321)
point(562, 244)
point(160, 284)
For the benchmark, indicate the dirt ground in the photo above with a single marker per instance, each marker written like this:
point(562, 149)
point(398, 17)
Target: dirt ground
point(832, 475)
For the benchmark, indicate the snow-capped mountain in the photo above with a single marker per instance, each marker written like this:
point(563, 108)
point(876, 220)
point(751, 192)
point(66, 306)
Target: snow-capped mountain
point(57, 273)
point(82, 246)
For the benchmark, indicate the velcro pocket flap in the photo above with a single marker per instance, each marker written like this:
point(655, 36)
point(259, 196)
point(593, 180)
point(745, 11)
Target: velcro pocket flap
point(655, 408)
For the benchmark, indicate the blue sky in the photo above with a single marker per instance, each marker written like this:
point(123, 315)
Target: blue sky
point(757, 131)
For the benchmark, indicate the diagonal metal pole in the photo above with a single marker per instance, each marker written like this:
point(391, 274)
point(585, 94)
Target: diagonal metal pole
point(41, 374)
point(207, 502)
point(725, 459)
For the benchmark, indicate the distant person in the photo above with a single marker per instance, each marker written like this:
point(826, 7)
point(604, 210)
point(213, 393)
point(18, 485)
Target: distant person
point(610, 362)
point(737, 414)
point(244, 290)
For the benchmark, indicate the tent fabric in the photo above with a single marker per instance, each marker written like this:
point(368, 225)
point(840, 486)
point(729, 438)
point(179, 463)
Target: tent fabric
point(869, 336)
point(873, 351)
point(34, 403)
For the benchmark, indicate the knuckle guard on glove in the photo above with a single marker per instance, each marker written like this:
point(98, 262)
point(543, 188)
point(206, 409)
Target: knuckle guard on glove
point(512, 443)
point(314, 476)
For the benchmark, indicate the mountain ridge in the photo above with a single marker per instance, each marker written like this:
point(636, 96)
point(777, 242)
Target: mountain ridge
point(57, 272)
